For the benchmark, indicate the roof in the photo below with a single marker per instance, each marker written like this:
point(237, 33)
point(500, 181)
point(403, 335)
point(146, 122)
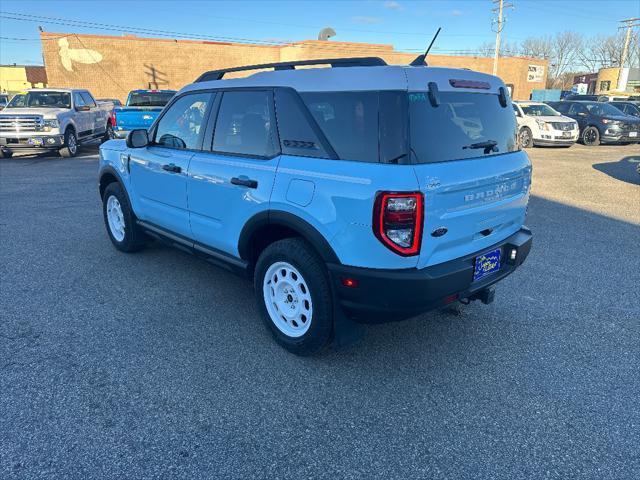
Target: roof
point(389, 77)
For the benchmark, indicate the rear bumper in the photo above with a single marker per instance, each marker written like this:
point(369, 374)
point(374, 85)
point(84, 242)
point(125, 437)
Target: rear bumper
point(121, 133)
point(387, 295)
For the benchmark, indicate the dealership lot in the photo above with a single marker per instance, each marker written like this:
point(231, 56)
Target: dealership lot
point(157, 365)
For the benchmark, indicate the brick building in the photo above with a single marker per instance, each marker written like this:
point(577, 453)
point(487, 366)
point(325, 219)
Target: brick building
point(111, 66)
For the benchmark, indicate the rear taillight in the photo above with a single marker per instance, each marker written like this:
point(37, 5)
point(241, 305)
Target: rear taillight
point(397, 221)
point(113, 118)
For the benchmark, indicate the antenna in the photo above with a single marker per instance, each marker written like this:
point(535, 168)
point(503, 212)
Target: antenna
point(421, 60)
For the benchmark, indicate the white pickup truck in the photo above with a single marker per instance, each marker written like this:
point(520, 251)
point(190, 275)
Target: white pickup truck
point(53, 119)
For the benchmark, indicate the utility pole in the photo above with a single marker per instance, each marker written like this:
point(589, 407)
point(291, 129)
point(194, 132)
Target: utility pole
point(499, 26)
point(629, 24)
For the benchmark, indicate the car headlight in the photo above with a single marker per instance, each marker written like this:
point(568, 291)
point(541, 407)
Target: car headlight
point(50, 124)
point(606, 121)
point(542, 124)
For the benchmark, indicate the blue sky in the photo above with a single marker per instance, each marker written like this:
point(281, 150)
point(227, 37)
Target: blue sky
point(408, 25)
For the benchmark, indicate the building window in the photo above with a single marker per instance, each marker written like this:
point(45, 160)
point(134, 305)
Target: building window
point(605, 85)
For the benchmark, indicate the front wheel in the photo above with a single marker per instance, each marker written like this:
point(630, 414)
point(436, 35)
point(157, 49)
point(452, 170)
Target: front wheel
point(294, 296)
point(4, 153)
point(526, 138)
point(120, 220)
point(70, 148)
point(591, 137)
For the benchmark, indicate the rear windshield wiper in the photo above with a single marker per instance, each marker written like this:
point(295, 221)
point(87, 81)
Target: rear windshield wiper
point(489, 146)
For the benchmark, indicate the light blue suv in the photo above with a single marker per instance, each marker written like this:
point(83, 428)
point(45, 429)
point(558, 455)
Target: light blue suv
point(363, 191)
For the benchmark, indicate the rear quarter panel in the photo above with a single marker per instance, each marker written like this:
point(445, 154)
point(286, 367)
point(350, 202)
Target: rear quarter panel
point(336, 197)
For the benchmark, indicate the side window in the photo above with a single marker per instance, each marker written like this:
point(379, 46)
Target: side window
point(78, 100)
point(182, 125)
point(576, 109)
point(245, 124)
point(87, 99)
point(560, 107)
point(349, 120)
point(297, 137)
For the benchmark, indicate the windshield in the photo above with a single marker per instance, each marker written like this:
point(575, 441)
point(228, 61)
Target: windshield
point(149, 99)
point(463, 125)
point(41, 100)
point(539, 110)
point(600, 108)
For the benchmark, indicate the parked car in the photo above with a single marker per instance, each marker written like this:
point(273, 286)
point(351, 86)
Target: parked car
point(4, 100)
point(539, 124)
point(140, 111)
point(600, 122)
point(369, 192)
point(628, 108)
point(53, 119)
point(115, 101)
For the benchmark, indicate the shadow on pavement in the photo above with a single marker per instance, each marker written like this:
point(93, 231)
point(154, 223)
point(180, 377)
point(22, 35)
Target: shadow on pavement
point(623, 170)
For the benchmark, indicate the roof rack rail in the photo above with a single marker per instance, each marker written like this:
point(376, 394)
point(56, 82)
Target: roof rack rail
point(334, 62)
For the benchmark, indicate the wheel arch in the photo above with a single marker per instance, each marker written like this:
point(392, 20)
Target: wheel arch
point(269, 226)
point(109, 175)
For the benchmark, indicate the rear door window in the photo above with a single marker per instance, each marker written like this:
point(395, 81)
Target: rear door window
point(463, 125)
point(246, 124)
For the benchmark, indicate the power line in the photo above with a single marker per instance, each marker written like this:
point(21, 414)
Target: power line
point(251, 20)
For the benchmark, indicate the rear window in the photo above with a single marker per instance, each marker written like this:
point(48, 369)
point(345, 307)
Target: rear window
point(368, 126)
point(149, 99)
point(463, 125)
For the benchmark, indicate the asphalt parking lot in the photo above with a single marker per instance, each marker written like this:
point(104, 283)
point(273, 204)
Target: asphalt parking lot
point(156, 365)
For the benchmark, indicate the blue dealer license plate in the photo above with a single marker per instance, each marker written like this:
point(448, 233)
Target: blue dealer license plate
point(486, 264)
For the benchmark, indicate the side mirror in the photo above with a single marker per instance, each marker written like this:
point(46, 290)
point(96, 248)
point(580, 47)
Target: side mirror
point(137, 138)
point(83, 108)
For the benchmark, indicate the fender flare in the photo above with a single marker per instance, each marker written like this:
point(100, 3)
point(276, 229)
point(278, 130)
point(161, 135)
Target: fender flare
point(112, 171)
point(290, 221)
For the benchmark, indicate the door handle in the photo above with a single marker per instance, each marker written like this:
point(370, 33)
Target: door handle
point(245, 182)
point(171, 167)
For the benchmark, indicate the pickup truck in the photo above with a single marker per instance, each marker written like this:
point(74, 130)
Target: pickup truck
point(53, 119)
point(140, 111)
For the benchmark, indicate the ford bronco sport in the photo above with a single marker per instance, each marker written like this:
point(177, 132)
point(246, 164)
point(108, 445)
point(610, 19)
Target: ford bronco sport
point(367, 192)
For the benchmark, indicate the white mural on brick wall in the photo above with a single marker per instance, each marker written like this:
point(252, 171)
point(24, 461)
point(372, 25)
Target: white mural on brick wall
point(78, 55)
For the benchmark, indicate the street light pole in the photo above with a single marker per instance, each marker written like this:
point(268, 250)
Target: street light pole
point(630, 23)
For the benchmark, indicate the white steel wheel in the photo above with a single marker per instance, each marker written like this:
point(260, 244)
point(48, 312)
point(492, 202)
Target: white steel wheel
point(115, 218)
point(287, 299)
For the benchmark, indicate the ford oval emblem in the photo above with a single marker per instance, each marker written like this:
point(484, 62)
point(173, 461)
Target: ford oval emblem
point(440, 231)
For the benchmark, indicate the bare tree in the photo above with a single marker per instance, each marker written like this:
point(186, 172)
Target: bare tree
point(536, 47)
point(564, 53)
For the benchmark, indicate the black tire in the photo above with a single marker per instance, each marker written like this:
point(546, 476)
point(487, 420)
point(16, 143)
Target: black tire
point(591, 137)
point(109, 133)
point(526, 135)
point(299, 254)
point(134, 237)
point(5, 153)
point(70, 148)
